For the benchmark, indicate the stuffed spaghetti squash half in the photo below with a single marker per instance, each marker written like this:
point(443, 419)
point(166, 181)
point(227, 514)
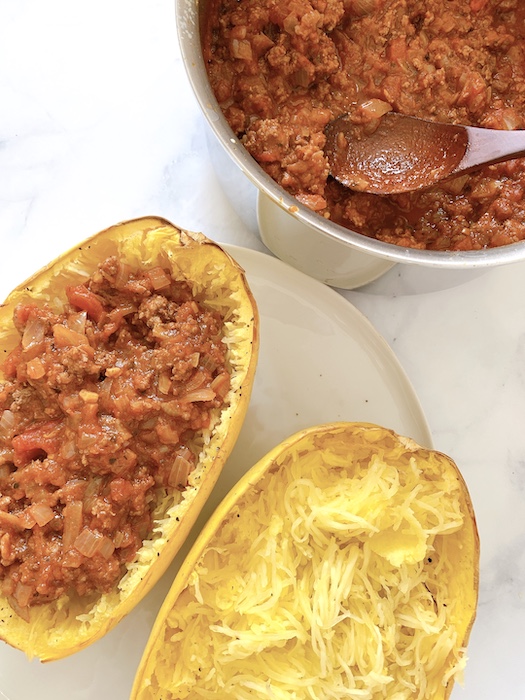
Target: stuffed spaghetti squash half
point(343, 564)
point(127, 368)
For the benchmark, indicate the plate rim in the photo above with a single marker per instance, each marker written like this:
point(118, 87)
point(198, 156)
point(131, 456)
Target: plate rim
point(346, 307)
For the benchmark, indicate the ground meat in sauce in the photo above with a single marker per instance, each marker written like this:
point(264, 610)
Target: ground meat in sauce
point(99, 406)
point(281, 69)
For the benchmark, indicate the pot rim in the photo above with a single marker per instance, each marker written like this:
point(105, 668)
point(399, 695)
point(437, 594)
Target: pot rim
point(188, 35)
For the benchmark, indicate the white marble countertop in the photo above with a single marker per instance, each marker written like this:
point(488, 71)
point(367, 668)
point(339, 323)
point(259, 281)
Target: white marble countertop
point(98, 124)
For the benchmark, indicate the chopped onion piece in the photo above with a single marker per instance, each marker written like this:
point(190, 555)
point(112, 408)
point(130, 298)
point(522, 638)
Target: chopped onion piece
point(195, 381)
point(186, 453)
point(158, 278)
point(241, 49)
point(178, 476)
point(362, 7)
point(194, 359)
point(35, 368)
point(375, 108)
point(208, 363)
point(206, 394)
point(456, 184)
point(42, 513)
point(64, 337)
point(27, 519)
point(221, 384)
point(88, 542)
point(88, 396)
point(105, 547)
point(72, 514)
point(91, 494)
point(125, 309)
point(105, 386)
point(77, 322)
point(7, 421)
point(72, 559)
point(171, 408)
point(85, 439)
point(118, 540)
point(68, 449)
point(123, 274)
point(164, 383)
point(34, 333)
point(22, 594)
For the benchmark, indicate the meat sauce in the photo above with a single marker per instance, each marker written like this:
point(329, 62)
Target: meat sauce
point(282, 69)
point(100, 404)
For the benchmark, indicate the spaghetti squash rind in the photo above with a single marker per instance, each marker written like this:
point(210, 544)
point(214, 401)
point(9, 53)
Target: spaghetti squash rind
point(69, 624)
point(343, 564)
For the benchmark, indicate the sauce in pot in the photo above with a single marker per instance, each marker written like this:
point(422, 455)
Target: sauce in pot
point(282, 69)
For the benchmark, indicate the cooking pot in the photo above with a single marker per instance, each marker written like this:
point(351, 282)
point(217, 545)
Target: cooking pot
point(293, 232)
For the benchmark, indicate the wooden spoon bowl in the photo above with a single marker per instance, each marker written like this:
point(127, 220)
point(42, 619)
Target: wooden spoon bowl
point(398, 153)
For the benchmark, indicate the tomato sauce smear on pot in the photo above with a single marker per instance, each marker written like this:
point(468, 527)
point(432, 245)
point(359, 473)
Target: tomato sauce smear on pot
point(99, 406)
point(282, 69)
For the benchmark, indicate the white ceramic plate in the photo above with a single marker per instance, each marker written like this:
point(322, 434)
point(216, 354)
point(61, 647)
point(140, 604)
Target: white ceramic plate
point(320, 361)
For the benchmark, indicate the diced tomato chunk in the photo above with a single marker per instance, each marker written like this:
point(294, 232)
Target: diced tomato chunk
point(81, 298)
point(41, 439)
point(477, 5)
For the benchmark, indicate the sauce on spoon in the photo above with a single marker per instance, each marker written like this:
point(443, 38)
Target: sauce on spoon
point(399, 153)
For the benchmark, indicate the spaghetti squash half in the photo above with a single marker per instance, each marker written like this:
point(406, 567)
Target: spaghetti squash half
point(127, 368)
point(343, 565)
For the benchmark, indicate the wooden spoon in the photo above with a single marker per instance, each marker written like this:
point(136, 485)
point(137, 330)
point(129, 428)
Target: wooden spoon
point(400, 153)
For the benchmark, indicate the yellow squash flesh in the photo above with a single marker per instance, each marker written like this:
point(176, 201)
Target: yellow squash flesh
point(60, 628)
point(343, 564)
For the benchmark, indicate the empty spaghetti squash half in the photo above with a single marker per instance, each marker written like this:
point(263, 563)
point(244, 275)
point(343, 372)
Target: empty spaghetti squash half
point(343, 564)
point(127, 368)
